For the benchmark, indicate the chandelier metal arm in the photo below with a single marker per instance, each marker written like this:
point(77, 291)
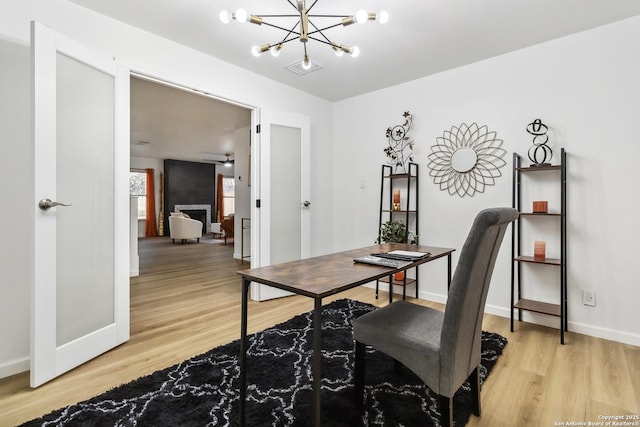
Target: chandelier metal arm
point(288, 31)
point(292, 30)
point(330, 16)
point(297, 15)
point(327, 41)
point(320, 30)
point(312, 5)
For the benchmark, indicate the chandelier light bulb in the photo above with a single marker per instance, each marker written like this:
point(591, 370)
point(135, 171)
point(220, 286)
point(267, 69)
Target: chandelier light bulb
point(240, 15)
point(258, 50)
point(224, 17)
point(275, 50)
point(339, 52)
point(306, 63)
point(362, 16)
point(355, 51)
point(384, 17)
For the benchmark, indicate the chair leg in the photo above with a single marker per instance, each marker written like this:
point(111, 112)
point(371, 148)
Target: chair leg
point(446, 411)
point(358, 375)
point(474, 382)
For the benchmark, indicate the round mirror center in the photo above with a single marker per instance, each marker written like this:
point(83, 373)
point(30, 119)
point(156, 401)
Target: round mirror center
point(464, 159)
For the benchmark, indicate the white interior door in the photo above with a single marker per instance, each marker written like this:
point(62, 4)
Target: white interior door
point(282, 188)
point(80, 298)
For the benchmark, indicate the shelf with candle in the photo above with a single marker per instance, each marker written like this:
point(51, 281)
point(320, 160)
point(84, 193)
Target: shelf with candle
point(399, 216)
point(527, 179)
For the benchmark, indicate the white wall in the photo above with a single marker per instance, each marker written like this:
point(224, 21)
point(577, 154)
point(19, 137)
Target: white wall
point(586, 87)
point(16, 190)
point(144, 53)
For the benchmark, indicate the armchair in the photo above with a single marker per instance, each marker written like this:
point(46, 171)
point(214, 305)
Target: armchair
point(183, 228)
point(441, 348)
point(228, 225)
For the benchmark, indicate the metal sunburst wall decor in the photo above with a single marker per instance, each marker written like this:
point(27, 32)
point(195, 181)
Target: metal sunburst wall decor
point(539, 153)
point(400, 149)
point(466, 159)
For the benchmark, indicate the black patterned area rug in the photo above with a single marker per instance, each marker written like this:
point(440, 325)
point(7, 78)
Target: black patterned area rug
point(203, 391)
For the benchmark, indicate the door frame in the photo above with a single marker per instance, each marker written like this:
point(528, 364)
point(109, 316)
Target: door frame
point(257, 111)
point(260, 234)
point(198, 89)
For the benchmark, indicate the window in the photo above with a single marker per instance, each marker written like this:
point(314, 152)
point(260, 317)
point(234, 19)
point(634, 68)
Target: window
point(228, 195)
point(138, 188)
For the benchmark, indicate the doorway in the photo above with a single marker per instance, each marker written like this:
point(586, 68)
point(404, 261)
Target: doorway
point(199, 131)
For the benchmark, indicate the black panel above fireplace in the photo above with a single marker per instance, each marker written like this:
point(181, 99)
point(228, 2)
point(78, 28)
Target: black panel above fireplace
point(188, 183)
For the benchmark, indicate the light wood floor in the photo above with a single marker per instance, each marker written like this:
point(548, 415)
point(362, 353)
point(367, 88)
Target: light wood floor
point(187, 301)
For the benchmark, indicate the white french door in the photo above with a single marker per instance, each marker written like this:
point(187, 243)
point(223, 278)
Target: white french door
point(80, 298)
point(282, 186)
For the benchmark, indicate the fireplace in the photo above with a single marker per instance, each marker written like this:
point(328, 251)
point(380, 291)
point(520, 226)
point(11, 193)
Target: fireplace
point(199, 212)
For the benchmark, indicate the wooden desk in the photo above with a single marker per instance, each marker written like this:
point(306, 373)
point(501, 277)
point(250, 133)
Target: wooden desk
point(318, 278)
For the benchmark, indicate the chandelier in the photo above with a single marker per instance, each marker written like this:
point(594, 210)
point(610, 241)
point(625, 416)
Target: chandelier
point(304, 29)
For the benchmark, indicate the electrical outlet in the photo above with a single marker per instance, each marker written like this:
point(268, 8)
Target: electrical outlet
point(589, 298)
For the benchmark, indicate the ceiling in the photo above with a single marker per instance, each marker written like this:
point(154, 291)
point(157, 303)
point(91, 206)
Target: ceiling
point(422, 37)
point(174, 123)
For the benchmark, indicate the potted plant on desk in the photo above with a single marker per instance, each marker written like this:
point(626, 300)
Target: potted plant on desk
point(396, 232)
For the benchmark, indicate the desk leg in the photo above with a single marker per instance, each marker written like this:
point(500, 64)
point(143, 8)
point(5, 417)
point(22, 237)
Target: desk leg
point(448, 271)
point(390, 288)
point(244, 344)
point(317, 360)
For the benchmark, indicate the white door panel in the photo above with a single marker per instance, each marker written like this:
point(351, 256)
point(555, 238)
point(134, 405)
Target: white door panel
point(80, 298)
point(283, 187)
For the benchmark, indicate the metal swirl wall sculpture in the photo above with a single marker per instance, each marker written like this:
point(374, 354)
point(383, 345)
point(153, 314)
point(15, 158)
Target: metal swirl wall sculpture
point(400, 148)
point(466, 159)
point(539, 151)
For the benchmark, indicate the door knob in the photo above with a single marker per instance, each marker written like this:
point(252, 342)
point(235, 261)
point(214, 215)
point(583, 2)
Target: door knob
point(306, 203)
point(45, 204)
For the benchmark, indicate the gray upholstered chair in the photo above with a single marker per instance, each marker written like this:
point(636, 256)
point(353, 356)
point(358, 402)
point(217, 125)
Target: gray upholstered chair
point(441, 348)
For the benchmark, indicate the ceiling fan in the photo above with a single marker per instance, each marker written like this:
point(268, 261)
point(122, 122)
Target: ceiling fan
point(226, 163)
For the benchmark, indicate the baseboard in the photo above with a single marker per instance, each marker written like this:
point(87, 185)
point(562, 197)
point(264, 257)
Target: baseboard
point(623, 337)
point(605, 333)
point(245, 259)
point(13, 367)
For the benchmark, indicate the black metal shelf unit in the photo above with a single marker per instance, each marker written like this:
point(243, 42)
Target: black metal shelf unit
point(407, 212)
point(518, 302)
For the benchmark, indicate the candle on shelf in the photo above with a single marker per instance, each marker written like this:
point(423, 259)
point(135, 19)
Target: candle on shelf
point(540, 206)
point(538, 250)
point(396, 200)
